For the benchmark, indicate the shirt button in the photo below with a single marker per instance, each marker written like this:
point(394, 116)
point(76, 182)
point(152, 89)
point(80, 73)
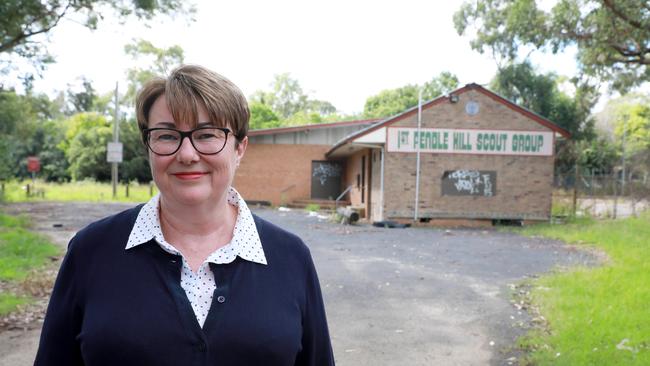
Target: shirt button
point(221, 299)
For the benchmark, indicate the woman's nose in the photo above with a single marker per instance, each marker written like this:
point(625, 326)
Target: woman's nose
point(186, 153)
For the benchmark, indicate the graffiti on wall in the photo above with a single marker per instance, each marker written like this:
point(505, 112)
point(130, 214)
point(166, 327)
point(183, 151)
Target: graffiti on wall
point(324, 171)
point(469, 183)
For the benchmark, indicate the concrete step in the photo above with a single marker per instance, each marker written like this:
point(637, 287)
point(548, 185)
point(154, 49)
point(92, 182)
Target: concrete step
point(323, 204)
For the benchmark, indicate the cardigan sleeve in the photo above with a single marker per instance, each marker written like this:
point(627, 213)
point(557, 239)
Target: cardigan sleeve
point(316, 346)
point(59, 343)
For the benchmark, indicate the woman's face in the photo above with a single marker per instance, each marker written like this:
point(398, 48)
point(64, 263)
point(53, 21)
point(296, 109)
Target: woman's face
point(188, 177)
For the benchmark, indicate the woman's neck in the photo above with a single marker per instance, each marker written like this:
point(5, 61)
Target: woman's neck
point(197, 231)
point(192, 222)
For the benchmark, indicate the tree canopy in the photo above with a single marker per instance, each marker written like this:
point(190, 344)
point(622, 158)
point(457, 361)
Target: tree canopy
point(612, 37)
point(23, 21)
point(393, 101)
point(633, 121)
point(158, 63)
point(262, 116)
point(286, 104)
point(541, 94)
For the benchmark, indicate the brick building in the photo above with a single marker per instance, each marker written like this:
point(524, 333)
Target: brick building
point(481, 157)
point(279, 162)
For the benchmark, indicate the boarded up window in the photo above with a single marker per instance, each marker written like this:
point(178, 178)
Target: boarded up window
point(469, 183)
point(325, 179)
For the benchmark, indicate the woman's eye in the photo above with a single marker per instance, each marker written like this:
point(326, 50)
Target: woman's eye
point(167, 137)
point(206, 136)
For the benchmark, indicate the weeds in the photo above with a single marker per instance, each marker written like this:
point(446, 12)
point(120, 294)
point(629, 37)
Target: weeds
point(594, 316)
point(23, 255)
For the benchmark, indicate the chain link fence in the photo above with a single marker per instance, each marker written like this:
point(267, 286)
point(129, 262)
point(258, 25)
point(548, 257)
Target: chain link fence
point(600, 195)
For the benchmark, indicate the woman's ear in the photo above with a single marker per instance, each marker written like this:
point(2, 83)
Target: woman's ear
point(240, 148)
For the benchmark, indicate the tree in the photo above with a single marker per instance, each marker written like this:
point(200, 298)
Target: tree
point(54, 165)
point(16, 121)
point(158, 61)
point(290, 104)
point(612, 37)
point(84, 100)
point(262, 116)
point(390, 102)
point(634, 121)
point(285, 98)
point(439, 85)
point(609, 116)
point(599, 155)
point(85, 146)
point(22, 21)
point(632, 132)
point(541, 94)
point(393, 101)
point(134, 166)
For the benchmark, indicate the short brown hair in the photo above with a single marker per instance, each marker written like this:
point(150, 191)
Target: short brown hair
point(189, 86)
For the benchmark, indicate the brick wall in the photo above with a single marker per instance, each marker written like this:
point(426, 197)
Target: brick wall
point(523, 183)
point(277, 173)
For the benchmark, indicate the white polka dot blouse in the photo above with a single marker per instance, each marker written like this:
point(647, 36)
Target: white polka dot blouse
point(199, 287)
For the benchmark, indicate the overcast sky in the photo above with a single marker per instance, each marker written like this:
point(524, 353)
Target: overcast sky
point(342, 51)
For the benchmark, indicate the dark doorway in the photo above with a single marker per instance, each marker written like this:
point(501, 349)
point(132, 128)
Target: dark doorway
point(363, 179)
point(326, 179)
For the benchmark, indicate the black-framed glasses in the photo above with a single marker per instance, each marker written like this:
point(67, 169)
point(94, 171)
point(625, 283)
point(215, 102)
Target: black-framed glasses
point(167, 141)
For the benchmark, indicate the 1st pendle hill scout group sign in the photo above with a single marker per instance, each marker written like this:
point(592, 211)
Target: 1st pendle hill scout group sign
point(469, 141)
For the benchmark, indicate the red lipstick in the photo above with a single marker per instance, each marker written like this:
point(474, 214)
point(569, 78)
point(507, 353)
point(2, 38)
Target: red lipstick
point(189, 175)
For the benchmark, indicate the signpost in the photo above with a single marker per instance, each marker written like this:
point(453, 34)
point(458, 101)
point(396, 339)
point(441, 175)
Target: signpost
point(114, 152)
point(33, 166)
point(114, 149)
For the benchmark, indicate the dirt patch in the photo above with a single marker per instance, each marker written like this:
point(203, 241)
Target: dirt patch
point(59, 221)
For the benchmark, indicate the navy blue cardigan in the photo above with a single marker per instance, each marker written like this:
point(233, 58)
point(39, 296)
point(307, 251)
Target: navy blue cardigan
point(112, 306)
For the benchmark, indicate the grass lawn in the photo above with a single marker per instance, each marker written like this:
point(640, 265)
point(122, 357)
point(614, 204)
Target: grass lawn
point(87, 191)
point(601, 315)
point(21, 251)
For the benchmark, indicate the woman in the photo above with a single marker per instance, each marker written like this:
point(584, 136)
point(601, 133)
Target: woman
point(191, 277)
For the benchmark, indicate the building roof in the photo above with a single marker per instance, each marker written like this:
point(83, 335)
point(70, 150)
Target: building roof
point(272, 131)
point(445, 99)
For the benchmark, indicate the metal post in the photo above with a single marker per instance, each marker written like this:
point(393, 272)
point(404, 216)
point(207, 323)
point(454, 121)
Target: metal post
point(381, 184)
point(615, 196)
point(575, 189)
point(625, 117)
point(116, 138)
point(417, 167)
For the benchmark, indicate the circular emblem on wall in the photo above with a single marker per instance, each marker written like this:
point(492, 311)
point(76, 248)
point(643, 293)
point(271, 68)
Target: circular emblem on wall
point(472, 108)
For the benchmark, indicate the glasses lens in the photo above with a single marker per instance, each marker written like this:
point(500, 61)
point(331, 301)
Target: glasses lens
point(163, 141)
point(207, 140)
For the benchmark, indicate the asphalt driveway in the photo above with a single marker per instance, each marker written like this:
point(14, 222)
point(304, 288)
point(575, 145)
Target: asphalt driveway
point(416, 296)
point(423, 296)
